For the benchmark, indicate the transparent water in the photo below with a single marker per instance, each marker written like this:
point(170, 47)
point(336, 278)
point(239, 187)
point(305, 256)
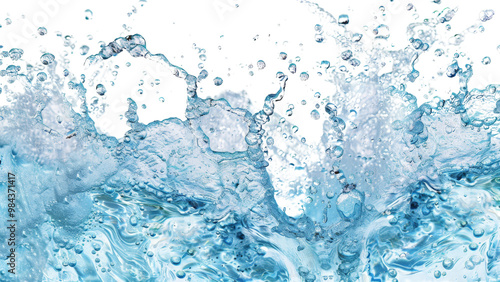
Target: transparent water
point(374, 174)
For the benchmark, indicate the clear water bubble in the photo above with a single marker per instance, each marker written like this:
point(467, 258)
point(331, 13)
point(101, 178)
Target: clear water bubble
point(16, 54)
point(331, 109)
point(392, 272)
point(343, 19)
point(350, 204)
point(292, 68)
point(176, 260)
point(88, 14)
point(100, 89)
point(42, 31)
point(41, 76)
point(218, 81)
point(354, 62)
point(84, 50)
point(202, 75)
point(346, 55)
point(473, 246)
point(478, 232)
point(47, 59)
point(382, 32)
point(338, 151)
point(486, 60)
point(304, 76)
point(486, 15)
point(283, 55)
point(180, 274)
point(78, 249)
point(356, 37)
point(452, 70)
point(261, 64)
point(315, 115)
point(448, 264)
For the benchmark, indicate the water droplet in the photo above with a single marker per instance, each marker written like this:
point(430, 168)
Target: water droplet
point(473, 246)
point(381, 32)
point(180, 274)
point(84, 50)
point(175, 260)
point(346, 55)
point(392, 272)
point(486, 15)
point(304, 76)
point(448, 264)
point(486, 60)
point(100, 89)
point(42, 31)
point(261, 64)
point(96, 246)
point(354, 62)
point(88, 14)
point(283, 56)
point(452, 70)
point(41, 76)
point(218, 81)
point(350, 204)
point(437, 274)
point(319, 38)
point(47, 59)
point(478, 232)
point(343, 19)
point(438, 52)
point(357, 37)
point(292, 68)
point(16, 53)
point(315, 115)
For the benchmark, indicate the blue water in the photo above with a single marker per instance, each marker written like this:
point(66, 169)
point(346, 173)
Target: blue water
point(397, 189)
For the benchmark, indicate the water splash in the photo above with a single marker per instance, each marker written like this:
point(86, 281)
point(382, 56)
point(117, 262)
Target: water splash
point(398, 187)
